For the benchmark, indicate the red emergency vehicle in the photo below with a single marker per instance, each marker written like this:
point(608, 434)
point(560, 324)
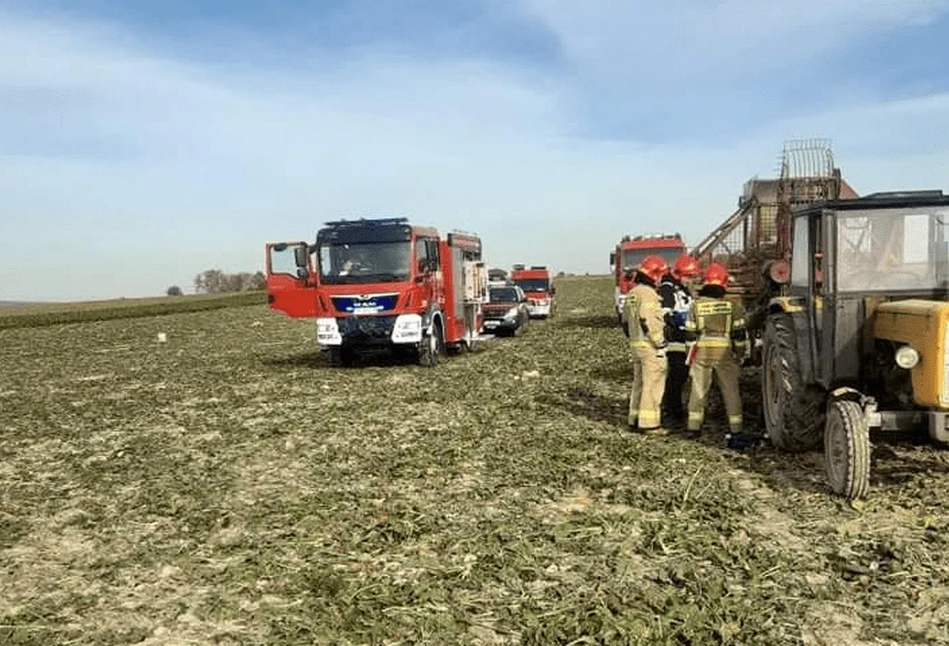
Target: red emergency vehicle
point(537, 283)
point(382, 283)
point(631, 251)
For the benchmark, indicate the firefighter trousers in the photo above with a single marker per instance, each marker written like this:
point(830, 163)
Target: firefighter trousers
point(649, 384)
point(676, 377)
point(726, 370)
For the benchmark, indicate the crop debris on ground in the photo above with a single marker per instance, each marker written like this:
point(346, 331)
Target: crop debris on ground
point(229, 487)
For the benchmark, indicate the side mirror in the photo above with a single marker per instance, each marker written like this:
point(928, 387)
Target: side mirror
point(302, 257)
point(303, 273)
point(612, 258)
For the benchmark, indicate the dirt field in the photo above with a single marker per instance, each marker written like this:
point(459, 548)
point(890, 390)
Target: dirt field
point(229, 487)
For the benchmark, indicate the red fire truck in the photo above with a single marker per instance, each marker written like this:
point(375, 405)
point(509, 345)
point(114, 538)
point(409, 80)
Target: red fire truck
point(631, 251)
point(538, 285)
point(382, 283)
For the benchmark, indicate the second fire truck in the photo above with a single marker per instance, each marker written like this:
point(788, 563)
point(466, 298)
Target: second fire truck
point(538, 285)
point(630, 252)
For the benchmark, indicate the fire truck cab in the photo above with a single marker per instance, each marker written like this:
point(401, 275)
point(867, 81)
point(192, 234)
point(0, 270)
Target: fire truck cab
point(382, 283)
point(630, 251)
point(538, 285)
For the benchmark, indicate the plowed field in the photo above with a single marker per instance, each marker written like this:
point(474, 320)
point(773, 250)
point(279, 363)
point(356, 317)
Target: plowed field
point(229, 487)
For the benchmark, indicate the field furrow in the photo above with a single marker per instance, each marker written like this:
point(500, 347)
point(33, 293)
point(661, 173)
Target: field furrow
point(229, 487)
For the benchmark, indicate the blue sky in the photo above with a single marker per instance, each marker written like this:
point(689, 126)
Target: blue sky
point(141, 143)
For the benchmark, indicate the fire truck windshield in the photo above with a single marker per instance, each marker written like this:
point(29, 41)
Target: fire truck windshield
point(367, 262)
point(632, 258)
point(533, 284)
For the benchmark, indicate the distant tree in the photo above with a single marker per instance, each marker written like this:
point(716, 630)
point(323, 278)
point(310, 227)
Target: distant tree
point(209, 281)
point(561, 274)
point(215, 281)
point(258, 281)
point(174, 290)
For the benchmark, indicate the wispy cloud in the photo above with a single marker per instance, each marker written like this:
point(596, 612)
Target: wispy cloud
point(735, 39)
point(137, 168)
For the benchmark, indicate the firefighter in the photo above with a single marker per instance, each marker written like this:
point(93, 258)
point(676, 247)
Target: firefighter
point(676, 300)
point(717, 327)
point(645, 327)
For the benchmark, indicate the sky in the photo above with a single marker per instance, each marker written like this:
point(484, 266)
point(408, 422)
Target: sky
point(144, 142)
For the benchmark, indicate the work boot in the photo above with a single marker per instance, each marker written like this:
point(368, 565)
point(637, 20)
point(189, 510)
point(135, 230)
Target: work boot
point(742, 441)
point(655, 430)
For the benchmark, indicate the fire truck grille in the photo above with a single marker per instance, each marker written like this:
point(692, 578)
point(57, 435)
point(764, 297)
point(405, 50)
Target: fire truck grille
point(361, 329)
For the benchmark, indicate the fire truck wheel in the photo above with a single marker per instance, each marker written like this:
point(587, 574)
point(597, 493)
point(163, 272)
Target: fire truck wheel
point(847, 449)
point(341, 356)
point(431, 346)
point(793, 410)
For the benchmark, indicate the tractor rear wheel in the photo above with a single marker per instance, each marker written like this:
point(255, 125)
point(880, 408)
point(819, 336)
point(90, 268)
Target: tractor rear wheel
point(847, 449)
point(793, 410)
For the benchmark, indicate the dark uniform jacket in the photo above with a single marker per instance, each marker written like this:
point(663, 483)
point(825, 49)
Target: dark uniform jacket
point(676, 301)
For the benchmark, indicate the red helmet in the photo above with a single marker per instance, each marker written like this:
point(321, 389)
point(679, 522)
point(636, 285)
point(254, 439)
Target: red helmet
point(685, 266)
point(716, 274)
point(654, 267)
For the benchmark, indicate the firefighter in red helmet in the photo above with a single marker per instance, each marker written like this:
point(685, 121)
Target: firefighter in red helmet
point(717, 326)
point(676, 301)
point(645, 326)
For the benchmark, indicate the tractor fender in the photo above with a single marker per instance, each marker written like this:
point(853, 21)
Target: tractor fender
point(846, 393)
point(785, 305)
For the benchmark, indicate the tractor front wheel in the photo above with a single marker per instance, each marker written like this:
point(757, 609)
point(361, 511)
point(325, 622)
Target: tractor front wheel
point(847, 449)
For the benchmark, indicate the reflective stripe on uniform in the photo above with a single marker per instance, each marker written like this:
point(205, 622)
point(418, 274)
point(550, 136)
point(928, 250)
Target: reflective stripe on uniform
point(648, 418)
point(675, 346)
point(708, 308)
point(695, 420)
point(734, 420)
point(714, 342)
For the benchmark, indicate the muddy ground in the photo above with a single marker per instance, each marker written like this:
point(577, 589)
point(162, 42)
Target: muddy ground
point(229, 487)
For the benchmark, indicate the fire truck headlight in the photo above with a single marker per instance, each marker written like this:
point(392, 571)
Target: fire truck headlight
point(327, 332)
point(907, 357)
point(407, 329)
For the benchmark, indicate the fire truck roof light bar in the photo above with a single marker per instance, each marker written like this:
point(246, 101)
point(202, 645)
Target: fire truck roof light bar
point(362, 222)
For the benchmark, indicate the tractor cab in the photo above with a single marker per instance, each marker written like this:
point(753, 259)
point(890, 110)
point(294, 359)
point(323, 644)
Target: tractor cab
point(860, 338)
